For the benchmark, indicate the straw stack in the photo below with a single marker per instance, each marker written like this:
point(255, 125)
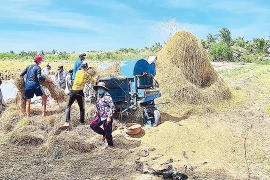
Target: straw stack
point(20, 101)
point(186, 76)
point(112, 71)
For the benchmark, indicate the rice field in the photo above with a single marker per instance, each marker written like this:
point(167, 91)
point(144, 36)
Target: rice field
point(216, 127)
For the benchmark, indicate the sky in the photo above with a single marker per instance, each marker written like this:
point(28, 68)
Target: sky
point(105, 25)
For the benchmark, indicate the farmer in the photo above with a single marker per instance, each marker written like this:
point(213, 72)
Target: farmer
point(82, 77)
point(105, 110)
point(60, 76)
point(77, 64)
point(68, 82)
point(2, 102)
point(32, 86)
point(46, 70)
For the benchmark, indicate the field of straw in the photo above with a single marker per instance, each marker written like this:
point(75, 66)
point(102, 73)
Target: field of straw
point(216, 126)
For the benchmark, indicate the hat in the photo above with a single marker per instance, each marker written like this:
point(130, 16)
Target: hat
point(70, 71)
point(100, 84)
point(60, 66)
point(83, 54)
point(50, 65)
point(84, 65)
point(38, 58)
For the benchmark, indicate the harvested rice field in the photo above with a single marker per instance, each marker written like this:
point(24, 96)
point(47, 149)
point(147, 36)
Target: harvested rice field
point(216, 126)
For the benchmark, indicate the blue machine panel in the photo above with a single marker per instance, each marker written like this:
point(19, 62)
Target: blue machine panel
point(119, 88)
point(142, 66)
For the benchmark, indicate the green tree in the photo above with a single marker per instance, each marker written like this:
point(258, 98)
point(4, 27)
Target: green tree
point(225, 36)
point(221, 52)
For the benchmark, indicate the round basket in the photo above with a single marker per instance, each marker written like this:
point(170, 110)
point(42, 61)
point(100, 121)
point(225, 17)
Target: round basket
point(133, 128)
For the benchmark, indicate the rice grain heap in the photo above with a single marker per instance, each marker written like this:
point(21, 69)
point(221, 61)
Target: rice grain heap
point(186, 76)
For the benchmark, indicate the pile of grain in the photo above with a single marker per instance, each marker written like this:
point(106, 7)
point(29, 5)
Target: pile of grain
point(186, 76)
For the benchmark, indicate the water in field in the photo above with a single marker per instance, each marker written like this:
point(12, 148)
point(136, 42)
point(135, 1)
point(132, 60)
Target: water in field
point(9, 90)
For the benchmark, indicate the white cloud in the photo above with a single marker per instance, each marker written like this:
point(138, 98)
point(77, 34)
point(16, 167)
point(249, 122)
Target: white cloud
point(42, 15)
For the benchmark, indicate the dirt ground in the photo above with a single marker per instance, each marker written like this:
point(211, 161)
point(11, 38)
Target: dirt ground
point(229, 141)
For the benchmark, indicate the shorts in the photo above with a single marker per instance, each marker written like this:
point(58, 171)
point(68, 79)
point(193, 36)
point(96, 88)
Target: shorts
point(29, 93)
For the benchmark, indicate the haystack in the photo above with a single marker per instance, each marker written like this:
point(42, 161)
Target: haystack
point(186, 76)
point(113, 70)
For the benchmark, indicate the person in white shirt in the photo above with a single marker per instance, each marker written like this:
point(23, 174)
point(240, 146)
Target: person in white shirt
point(68, 82)
point(46, 70)
point(60, 77)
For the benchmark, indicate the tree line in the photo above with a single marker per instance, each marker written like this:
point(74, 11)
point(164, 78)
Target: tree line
point(220, 47)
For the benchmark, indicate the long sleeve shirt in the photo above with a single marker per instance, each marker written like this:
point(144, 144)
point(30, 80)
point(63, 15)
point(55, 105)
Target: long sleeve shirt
point(33, 76)
point(105, 106)
point(60, 77)
point(45, 72)
point(76, 67)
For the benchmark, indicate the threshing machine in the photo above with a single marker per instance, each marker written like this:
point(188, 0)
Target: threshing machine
point(136, 88)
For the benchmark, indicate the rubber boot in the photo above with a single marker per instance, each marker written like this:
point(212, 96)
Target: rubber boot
point(82, 116)
point(109, 140)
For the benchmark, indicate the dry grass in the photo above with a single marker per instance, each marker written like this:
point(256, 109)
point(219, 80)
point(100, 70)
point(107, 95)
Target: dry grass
point(112, 71)
point(230, 140)
point(56, 92)
point(187, 77)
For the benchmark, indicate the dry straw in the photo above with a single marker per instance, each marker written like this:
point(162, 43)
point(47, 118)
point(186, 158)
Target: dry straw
point(186, 76)
point(20, 101)
point(57, 93)
point(112, 71)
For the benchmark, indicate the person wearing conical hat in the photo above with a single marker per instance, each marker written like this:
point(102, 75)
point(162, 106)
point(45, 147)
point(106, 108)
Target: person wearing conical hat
point(105, 110)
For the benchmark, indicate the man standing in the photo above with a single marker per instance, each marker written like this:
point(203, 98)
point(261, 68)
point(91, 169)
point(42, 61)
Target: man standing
point(60, 76)
point(46, 70)
point(77, 64)
point(32, 86)
point(82, 77)
point(68, 82)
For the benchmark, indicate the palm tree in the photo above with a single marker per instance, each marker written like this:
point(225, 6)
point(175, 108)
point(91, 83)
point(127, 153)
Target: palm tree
point(211, 38)
point(225, 35)
point(261, 45)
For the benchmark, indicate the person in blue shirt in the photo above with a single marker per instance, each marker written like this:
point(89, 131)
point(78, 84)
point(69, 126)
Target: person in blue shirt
point(32, 85)
point(77, 64)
